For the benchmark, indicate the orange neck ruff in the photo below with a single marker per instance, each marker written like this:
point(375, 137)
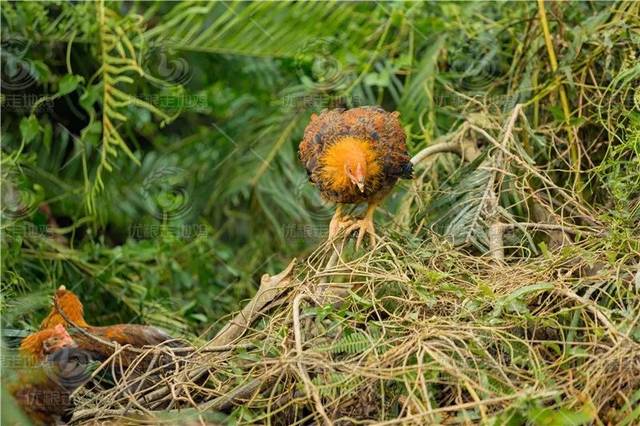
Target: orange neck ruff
point(349, 152)
point(32, 346)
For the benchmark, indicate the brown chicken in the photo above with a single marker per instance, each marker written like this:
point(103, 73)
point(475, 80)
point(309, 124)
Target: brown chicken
point(62, 356)
point(354, 156)
point(38, 345)
point(55, 367)
point(134, 335)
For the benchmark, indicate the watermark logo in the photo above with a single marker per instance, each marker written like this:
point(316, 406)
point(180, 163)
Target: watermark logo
point(18, 72)
point(167, 194)
point(317, 65)
point(475, 62)
point(20, 196)
point(69, 367)
point(319, 213)
point(184, 232)
point(164, 67)
point(177, 102)
point(320, 101)
point(24, 103)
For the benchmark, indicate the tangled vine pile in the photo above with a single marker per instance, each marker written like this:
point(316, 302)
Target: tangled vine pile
point(416, 331)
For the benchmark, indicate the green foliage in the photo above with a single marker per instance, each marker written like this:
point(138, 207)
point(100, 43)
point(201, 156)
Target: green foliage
point(353, 343)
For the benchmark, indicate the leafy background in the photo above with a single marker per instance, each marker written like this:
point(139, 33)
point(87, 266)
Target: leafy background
point(149, 148)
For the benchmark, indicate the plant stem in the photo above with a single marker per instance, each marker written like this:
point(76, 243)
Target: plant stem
point(574, 147)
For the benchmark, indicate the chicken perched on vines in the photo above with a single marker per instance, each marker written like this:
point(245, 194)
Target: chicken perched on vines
point(354, 156)
point(54, 367)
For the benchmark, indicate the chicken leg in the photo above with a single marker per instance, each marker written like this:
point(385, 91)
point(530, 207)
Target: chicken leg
point(366, 226)
point(338, 222)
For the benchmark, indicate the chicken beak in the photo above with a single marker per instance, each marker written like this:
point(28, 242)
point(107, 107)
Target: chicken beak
point(360, 177)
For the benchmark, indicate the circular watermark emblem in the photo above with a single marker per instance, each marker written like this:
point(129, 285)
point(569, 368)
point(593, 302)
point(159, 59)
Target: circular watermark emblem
point(69, 367)
point(164, 66)
point(475, 62)
point(319, 211)
point(18, 72)
point(316, 62)
point(20, 195)
point(167, 194)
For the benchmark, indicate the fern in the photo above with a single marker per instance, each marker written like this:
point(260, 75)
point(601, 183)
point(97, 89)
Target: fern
point(334, 384)
point(354, 343)
point(459, 211)
point(417, 96)
point(118, 62)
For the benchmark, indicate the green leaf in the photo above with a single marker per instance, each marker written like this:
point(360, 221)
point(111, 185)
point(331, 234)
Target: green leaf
point(526, 290)
point(29, 128)
point(90, 96)
point(514, 301)
point(561, 417)
point(68, 84)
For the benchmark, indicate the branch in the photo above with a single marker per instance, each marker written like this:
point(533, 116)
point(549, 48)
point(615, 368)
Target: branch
point(465, 149)
point(270, 288)
point(311, 390)
point(574, 146)
point(592, 307)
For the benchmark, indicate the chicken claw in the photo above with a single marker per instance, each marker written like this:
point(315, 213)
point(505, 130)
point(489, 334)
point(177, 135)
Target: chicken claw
point(365, 226)
point(338, 223)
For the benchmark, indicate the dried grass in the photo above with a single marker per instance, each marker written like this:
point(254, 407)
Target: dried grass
point(416, 331)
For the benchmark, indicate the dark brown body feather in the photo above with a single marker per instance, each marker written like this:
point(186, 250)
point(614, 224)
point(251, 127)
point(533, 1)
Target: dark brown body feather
point(382, 129)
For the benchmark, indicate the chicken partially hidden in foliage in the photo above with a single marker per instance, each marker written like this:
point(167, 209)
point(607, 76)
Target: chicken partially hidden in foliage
point(61, 356)
point(37, 346)
point(354, 156)
point(54, 368)
point(135, 335)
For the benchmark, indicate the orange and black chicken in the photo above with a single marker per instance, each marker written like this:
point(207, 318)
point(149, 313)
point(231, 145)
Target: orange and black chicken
point(355, 156)
point(62, 356)
point(134, 335)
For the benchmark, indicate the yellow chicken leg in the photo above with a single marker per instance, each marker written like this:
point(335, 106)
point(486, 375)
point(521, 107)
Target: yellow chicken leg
point(366, 226)
point(338, 222)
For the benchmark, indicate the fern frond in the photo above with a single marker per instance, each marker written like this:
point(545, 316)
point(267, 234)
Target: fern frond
point(119, 62)
point(334, 384)
point(354, 343)
point(461, 209)
point(418, 93)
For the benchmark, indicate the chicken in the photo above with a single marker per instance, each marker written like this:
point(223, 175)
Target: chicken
point(354, 156)
point(62, 355)
point(134, 335)
point(38, 345)
point(55, 368)
point(72, 307)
